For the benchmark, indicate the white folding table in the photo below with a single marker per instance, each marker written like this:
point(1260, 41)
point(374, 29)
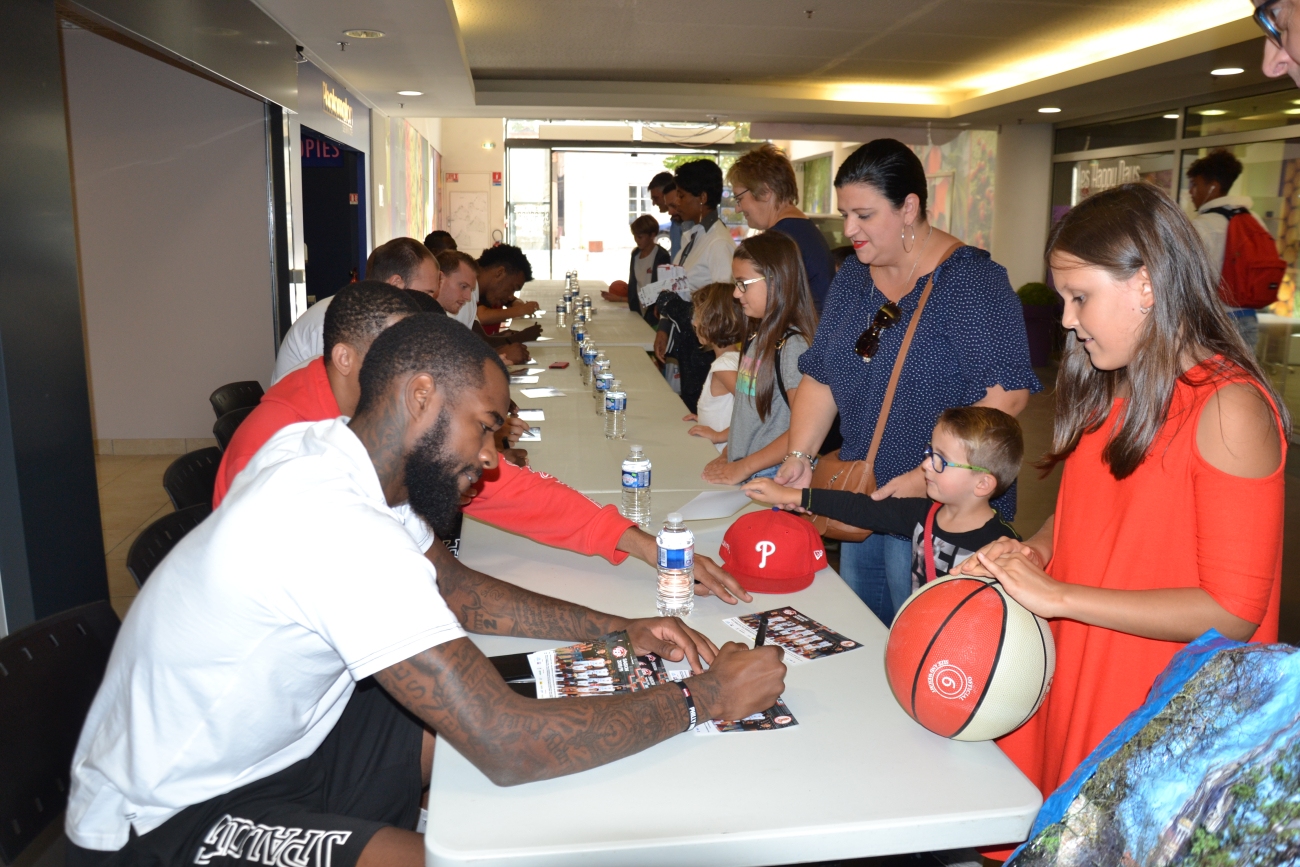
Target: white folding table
point(856, 777)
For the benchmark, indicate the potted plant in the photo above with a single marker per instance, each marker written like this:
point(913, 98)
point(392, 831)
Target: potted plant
point(1040, 305)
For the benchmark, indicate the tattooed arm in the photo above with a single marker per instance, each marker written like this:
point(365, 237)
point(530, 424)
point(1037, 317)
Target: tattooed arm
point(489, 606)
point(455, 691)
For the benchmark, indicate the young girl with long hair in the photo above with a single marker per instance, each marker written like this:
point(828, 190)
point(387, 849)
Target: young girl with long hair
point(1173, 443)
point(773, 293)
point(720, 326)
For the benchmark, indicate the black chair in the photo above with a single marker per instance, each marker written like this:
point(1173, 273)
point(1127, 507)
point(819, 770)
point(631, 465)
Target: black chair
point(49, 673)
point(224, 429)
point(235, 395)
point(155, 540)
point(190, 478)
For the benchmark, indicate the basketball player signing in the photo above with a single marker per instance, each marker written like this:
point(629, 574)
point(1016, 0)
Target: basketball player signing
point(967, 661)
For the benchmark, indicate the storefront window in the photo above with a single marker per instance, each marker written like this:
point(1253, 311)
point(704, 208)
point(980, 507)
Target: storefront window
point(1074, 182)
point(1117, 133)
point(1267, 111)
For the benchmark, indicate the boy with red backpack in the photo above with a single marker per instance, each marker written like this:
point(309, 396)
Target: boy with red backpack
point(1237, 243)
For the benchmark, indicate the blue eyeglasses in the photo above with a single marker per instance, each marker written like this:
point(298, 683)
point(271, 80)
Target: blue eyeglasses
point(940, 463)
point(1264, 18)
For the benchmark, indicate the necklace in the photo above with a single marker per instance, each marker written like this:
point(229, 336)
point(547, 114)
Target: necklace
point(916, 261)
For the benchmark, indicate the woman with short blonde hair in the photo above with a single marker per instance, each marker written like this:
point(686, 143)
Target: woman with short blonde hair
point(765, 190)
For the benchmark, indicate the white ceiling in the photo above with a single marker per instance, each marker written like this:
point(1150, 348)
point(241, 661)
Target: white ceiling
point(853, 61)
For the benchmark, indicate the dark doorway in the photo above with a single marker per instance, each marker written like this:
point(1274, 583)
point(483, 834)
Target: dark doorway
point(333, 202)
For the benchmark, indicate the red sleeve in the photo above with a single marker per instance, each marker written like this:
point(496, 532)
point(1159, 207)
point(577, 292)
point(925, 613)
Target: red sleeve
point(262, 423)
point(546, 510)
point(1239, 529)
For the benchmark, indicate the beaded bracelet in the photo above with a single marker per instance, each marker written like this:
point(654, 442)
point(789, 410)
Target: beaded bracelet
point(807, 458)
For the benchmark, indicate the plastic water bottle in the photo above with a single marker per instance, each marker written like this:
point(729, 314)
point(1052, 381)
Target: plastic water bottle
point(588, 361)
point(615, 411)
point(586, 307)
point(602, 382)
point(676, 543)
point(561, 318)
point(579, 333)
point(636, 488)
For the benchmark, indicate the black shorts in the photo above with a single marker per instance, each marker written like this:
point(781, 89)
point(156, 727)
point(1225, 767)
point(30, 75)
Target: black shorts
point(319, 812)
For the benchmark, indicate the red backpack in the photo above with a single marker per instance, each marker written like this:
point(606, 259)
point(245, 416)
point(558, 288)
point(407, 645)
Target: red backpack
point(1252, 269)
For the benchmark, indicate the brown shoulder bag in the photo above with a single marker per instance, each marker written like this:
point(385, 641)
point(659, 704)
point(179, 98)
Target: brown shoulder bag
point(860, 476)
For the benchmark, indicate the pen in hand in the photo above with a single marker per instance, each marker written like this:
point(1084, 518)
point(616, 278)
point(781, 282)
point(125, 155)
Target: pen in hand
point(762, 631)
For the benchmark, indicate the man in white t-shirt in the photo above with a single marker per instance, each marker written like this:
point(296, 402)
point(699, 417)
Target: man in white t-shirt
point(250, 709)
point(401, 262)
point(459, 282)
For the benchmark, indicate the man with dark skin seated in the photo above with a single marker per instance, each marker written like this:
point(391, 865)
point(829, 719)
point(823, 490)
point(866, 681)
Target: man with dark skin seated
point(272, 691)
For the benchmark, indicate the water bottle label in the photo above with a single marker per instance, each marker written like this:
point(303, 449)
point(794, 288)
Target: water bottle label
point(636, 479)
point(602, 383)
point(615, 402)
point(579, 335)
point(677, 558)
point(588, 358)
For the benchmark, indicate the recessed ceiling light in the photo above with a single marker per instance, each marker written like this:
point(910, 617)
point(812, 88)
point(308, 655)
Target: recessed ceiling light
point(378, 34)
point(1173, 116)
point(1212, 112)
point(410, 93)
point(1048, 110)
point(1292, 111)
point(1227, 70)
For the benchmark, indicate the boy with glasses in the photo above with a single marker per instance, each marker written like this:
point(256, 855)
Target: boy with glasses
point(974, 455)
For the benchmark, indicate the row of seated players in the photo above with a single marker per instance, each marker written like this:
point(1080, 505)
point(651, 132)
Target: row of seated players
point(517, 499)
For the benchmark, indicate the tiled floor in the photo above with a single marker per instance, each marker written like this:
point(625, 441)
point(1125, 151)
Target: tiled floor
point(131, 496)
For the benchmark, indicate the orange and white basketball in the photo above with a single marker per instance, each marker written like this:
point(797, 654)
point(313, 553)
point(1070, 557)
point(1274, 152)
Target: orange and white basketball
point(967, 661)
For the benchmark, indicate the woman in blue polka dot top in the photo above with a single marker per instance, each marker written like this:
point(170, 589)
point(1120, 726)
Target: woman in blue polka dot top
point(969, 348)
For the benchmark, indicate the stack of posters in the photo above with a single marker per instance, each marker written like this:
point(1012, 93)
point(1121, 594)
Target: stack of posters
point(609, 666)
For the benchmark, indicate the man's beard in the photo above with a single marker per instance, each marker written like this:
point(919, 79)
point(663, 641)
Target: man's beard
point(433, 479)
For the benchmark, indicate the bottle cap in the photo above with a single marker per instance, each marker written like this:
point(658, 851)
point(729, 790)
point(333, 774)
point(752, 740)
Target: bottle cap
point(674, 519)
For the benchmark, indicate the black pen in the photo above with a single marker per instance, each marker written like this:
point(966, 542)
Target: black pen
point(762, 631)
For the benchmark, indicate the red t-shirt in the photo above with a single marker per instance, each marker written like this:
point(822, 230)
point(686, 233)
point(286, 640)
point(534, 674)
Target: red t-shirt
point(512, 498)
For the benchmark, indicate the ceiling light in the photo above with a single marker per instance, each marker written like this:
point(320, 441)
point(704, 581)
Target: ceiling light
point(1227, 70)
point(410, 93)
point(1292, 111)
point(1173, 116)
point(489, 145)
point(379, 34)
point(1049, 110)
point(1212, 112)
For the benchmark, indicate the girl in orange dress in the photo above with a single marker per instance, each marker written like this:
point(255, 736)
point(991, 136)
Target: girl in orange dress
point(1169, 517)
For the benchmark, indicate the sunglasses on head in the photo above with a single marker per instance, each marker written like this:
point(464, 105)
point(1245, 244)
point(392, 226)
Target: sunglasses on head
point(869, 341)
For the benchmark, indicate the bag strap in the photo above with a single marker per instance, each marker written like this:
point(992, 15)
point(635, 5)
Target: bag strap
point(887, 404)
point(1228, 213)
point(780, 380)
point(931, 574)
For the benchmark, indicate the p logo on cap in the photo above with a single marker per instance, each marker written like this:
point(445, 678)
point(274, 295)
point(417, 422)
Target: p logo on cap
point(772, 552)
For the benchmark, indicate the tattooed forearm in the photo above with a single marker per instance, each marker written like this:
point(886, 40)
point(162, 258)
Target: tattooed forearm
point(488, 606)
point(453, 689)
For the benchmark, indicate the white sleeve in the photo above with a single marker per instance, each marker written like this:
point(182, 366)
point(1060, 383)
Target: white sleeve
point(414, 524)
point(1213, 229)
point(304, 341)
point(376, 604)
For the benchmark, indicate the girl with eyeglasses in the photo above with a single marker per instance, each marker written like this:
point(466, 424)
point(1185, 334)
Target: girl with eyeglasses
point(773, 293)
point(1169, 519)
point(969, 348)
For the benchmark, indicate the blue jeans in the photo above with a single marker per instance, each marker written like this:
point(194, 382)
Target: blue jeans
point(769, 473)
point(879, 570)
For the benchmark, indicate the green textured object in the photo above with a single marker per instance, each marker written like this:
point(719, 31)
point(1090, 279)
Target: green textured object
point(1036, 295)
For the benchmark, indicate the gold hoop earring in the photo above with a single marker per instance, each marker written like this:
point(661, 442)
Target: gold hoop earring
point(903, 238)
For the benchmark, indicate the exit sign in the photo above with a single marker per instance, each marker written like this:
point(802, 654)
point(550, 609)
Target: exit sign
point(453, 177)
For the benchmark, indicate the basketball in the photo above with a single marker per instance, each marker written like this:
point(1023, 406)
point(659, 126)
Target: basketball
point(967, 661)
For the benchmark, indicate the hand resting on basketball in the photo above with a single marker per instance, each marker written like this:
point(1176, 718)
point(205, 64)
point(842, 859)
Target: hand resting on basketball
point(1024, 580)
point(994, 551)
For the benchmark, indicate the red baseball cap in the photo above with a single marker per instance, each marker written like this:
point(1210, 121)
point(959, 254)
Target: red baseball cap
point(772, 552)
